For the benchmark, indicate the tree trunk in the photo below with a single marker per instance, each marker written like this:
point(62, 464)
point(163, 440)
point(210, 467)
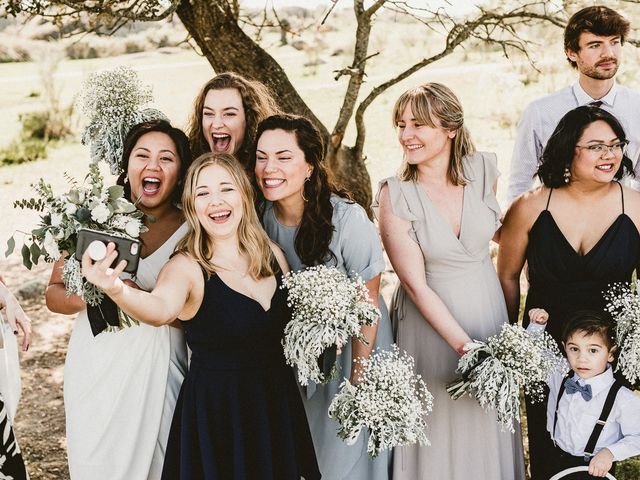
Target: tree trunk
point(213, 24)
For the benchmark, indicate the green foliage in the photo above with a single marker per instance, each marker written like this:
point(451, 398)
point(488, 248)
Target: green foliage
point(23, 150)
point(46, 124)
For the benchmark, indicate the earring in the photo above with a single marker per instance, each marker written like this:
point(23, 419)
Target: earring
point(566, 175)
point(303, 185)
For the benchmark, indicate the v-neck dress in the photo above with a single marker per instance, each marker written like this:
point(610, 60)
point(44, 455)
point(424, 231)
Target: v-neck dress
point(239, 415)
point(466, 441)
point(562, 281)
point(120, 390)
point(357, 249)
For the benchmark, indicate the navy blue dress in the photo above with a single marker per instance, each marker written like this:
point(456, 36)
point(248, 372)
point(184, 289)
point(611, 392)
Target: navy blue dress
point(239, 414)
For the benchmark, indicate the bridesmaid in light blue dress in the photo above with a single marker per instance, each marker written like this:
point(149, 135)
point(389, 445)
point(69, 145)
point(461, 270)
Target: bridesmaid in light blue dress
point(315, 223)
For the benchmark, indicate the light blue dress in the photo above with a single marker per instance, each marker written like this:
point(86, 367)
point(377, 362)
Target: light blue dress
point(357, 248)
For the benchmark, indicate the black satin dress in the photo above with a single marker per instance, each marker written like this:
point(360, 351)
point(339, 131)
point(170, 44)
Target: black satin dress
point(562, 281)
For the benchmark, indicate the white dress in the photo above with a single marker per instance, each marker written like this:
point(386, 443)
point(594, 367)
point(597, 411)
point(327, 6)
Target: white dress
point(120, 390)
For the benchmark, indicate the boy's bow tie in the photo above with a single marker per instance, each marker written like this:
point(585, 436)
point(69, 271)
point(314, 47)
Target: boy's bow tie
point(572, 386)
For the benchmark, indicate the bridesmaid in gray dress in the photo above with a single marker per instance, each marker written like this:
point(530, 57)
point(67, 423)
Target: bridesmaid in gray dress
point(314, 223)
point(436, 221)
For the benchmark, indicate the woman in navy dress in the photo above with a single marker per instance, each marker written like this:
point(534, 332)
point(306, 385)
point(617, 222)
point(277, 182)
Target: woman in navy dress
point(239, 415)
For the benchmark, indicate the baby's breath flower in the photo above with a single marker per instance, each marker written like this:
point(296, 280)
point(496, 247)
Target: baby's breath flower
point(113, 101)
point(624, 306)
point(328, 309)
point(390, 400)
point(494, 371)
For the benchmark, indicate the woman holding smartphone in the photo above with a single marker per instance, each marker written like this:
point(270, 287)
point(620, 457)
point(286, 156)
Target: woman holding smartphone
point(120, 388)
point(239, 415)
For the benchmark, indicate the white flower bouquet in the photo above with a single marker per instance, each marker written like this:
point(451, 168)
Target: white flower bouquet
point(624, 306)
point(86, 205)
point(390, 400)
point(494, 371)
point(328, 308)
point(113, 102)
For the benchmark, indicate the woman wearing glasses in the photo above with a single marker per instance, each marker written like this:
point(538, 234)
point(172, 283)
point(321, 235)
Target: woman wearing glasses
point(578, 232)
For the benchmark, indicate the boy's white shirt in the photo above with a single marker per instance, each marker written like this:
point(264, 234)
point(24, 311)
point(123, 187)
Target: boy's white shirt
point(577, 417)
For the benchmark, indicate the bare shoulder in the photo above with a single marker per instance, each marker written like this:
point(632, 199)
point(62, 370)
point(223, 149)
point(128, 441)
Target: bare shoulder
point(632, 204)
point(527, 207)
point(183, 265)
point(279, 254)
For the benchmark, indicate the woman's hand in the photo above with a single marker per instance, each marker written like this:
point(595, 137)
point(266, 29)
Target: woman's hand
point(15, 316)
point(100, 272)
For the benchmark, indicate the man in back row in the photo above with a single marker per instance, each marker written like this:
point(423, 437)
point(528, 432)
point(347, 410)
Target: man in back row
point(593, 40)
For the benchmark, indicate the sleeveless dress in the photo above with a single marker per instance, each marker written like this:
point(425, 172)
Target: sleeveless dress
point(11, 463)
point(239, 415)
point(356, 246)
point(120, 390)
point(466, 441)
point(562, 281)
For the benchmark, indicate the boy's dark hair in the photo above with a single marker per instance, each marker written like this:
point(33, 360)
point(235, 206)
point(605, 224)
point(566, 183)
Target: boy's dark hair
point(590, 322)
point(599, 20)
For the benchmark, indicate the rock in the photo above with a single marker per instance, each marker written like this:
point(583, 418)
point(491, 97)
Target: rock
point(32, 289)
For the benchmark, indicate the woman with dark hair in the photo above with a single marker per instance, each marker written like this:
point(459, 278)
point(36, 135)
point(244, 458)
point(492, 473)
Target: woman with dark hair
point(226, 115)
point(120, 388)
point(578, 233)
point(315, 223)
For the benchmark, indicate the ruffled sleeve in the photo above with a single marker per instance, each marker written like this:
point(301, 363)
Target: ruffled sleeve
point(484, 166)
point(399, 203)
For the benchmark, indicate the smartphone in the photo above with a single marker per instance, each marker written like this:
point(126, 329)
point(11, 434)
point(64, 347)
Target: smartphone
point(127, 248)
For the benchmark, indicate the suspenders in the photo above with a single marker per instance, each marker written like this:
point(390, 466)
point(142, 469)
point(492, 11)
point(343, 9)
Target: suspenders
point(604, 415)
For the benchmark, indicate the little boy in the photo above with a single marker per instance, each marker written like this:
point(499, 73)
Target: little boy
point(593, 419)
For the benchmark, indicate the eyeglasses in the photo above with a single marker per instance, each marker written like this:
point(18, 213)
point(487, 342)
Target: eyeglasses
point(601, 148)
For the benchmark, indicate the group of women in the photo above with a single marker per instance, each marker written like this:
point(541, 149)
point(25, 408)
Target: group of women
point(257, 201)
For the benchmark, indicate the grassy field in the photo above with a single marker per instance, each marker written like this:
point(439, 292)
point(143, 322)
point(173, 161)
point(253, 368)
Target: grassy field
point(493, 90)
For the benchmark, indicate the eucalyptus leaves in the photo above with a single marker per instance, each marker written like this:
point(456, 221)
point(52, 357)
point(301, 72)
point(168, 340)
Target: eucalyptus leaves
point(494, 371)
point(328, 309)
point(90, 204)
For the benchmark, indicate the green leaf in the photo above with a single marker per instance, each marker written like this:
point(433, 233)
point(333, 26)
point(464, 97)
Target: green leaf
point(35, 253)
point(26, 256)
point(11, 244)
point(116, 191)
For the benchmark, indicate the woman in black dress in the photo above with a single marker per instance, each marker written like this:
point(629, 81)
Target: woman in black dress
point(578, 233)
point(239, 414)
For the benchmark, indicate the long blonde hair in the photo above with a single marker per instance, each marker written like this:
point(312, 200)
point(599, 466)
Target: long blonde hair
point(252, 239)
point(436, 106)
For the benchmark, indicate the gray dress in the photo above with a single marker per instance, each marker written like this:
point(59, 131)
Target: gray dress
point(466, 442)
point(356, 246)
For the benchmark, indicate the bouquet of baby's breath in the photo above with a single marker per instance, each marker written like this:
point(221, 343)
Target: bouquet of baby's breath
point(494, 371)
point(328, 308)
point(113, 102)
point(390, 400)
point(624, 306)
point(86, 205)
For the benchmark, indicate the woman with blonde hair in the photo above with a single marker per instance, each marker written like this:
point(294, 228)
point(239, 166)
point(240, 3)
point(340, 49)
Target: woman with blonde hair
point(436, 220)
point(226, 115)
point(239, 414)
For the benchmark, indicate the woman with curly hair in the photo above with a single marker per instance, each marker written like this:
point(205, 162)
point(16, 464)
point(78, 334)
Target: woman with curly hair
point(226, 115)
point(316, 223)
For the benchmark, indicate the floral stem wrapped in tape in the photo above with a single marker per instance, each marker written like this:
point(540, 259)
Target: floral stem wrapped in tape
point(494, 371)
point(328, 308)
point(390, 400)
